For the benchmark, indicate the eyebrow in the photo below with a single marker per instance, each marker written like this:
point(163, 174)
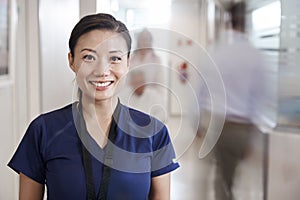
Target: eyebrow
point(87, 49)
point(116, 51)
point(94, 51)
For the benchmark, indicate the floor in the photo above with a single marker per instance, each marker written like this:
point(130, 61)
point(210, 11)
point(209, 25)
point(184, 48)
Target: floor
point(194, 179)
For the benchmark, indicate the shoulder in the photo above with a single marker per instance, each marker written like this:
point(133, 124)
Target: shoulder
point(60, 114)
point(53, 121)
point(139, 124)
point(139, 117)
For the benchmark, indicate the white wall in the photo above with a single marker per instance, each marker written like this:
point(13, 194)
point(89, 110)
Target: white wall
point(13, 101)
point(187, 24)
point(57, 18)
point(7, 188)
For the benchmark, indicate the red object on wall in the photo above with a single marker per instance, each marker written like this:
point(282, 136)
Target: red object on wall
point(189, 42)
point(183, 75)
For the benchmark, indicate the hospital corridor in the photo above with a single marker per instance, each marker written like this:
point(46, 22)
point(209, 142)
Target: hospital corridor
point(107, 99)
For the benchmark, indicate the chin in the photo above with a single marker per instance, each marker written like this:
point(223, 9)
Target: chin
point(103, 97)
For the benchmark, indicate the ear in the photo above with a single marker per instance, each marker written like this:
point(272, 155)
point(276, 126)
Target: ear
point(128, 66)
point(128, 62)
point(71, 62)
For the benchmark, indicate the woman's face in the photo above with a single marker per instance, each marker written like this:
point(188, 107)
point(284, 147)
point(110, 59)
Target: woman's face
point(100, 63)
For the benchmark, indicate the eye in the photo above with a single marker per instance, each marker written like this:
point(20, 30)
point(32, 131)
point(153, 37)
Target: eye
point(116, 59)
point(89, 58)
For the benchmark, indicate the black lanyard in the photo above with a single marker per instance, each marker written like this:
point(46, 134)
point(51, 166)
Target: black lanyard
point(107, 161)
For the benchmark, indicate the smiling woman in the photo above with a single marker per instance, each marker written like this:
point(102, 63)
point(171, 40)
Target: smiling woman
point(100, 61)
point(96, 148)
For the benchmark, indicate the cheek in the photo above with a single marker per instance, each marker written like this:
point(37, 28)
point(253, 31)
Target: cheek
point(80, 80)
point(120, 71)
point(82, 73)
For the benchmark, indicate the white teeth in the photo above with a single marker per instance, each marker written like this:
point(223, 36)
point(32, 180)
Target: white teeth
point(104, 84)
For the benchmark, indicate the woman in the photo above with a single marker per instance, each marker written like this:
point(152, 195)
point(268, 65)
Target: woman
point(96, 148)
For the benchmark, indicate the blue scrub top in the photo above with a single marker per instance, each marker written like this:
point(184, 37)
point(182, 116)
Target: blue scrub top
point(51, 153)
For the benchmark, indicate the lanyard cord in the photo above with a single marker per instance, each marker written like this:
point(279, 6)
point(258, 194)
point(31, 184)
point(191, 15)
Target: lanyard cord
point(90, 185)
point(107, 161)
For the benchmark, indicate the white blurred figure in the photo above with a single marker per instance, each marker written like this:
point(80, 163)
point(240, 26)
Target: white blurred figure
point(146, 84)
point(244, 76)
point(145, 58)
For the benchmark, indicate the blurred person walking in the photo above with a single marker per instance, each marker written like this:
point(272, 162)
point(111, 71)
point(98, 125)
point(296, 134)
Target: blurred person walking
point(243, 73)
point(145, 58)
point(146, 81)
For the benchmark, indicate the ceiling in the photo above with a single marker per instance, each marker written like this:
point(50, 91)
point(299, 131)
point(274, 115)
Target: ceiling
point(142, 4)
point(226, 3)
point(147, 3)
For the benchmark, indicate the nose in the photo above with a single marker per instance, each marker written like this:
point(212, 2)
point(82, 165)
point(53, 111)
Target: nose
point(102, 67)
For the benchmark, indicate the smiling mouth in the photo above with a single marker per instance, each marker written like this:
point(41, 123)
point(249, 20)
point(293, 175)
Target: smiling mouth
point(101, 84)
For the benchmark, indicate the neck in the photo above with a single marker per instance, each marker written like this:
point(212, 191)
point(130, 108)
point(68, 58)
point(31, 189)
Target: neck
point(98, 116)
point(103, 109)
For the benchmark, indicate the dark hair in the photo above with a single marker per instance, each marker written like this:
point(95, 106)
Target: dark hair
point(238, 13)
point(100, 21)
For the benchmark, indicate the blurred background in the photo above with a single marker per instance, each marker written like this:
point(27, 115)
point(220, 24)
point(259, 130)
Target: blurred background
point(35, 78)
